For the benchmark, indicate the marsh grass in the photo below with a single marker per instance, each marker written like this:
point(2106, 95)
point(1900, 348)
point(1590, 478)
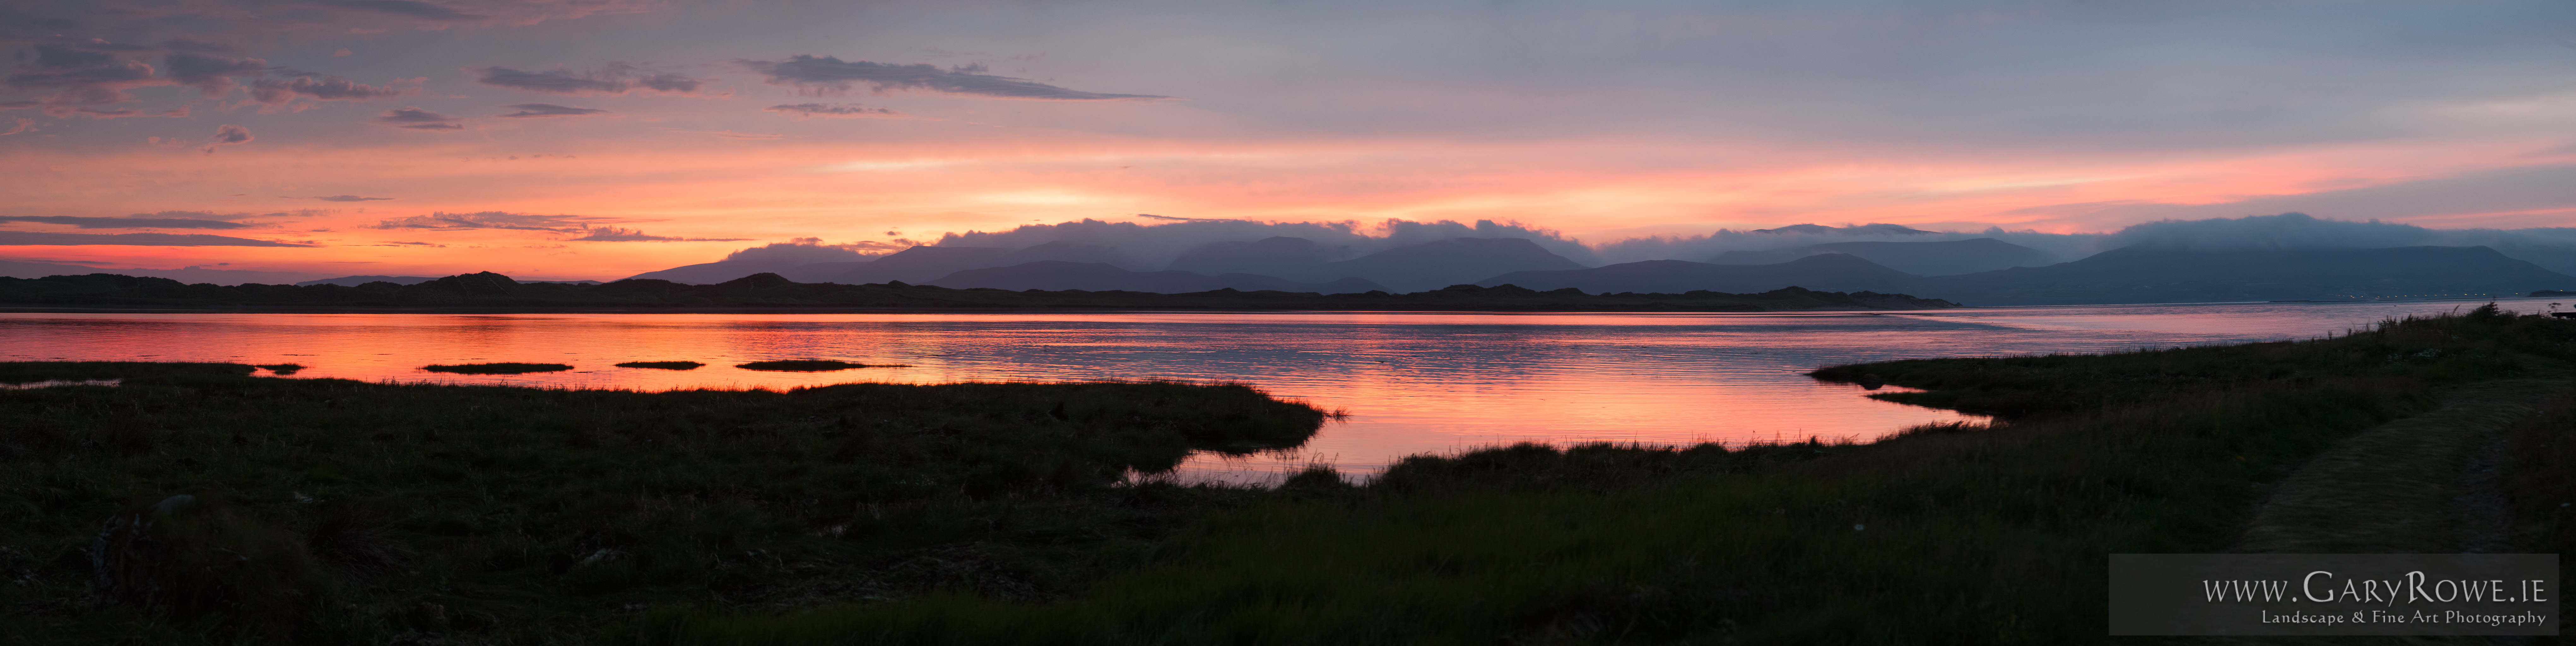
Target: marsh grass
point(336, 511)
point(280, 369)
point(1955, 533)
point(497, 368)
point(662, 365)
point(810, 365)
point(2540, 476)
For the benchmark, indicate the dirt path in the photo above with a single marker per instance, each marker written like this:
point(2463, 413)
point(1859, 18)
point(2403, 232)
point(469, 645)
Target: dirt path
point(2424, 484)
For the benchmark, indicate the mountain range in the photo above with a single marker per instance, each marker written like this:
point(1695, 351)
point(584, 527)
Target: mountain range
point(2127, 275)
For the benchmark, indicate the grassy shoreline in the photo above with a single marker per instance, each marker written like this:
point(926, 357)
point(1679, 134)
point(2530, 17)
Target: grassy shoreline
point(1942, 534)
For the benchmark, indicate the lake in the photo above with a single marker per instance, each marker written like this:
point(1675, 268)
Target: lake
point(1411, 382)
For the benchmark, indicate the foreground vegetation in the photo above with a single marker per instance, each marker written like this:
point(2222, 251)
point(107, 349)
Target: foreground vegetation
point(1945, 534)
point(986, 514)
point(490, 291)
point(333, 511)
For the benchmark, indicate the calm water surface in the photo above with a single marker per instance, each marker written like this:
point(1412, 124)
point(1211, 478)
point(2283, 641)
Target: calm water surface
point(1412, 383)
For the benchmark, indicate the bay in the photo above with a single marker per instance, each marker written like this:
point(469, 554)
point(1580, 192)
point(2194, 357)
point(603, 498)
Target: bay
point(1411, 383)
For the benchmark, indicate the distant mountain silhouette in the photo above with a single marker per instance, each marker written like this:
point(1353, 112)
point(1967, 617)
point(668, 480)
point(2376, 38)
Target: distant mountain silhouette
point(921, 265)
point(1433, 265)
point(1419, 267)
point(1919, 258)
point(2128, 275)
point(2141, 275)
point(1275, 256)
point(190, 275)
point(1850, 230)
point(717, 272)
point(353, 281)
point(1823, 272)
point(1055, 275)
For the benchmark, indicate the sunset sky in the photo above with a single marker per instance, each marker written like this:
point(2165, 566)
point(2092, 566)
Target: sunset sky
point(600, 138)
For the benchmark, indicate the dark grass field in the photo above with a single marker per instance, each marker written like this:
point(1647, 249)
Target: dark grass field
point(975, 515)
point(333, 511)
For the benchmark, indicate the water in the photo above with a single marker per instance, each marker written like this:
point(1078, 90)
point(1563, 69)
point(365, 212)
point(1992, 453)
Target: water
point(1412, 383)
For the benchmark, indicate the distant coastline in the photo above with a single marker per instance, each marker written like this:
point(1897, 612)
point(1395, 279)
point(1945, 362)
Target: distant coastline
point(769, 293)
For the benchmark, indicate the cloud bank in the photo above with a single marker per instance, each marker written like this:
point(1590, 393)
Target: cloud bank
point(543, 110)
point(11, 238)
point(443, 221)
point(835, 110)
point(418, 119)
point(617, 79)
point(831, 76)
point(614, 234)
point(137, 222)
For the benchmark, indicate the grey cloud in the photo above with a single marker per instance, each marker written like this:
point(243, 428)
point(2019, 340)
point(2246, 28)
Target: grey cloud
point(830, 76)
point(615, 79)
point(407, 9)
point(670, 82)
point(845, 111)
point(227, 135)
point(124, 223)
point(1155, 246)
point(537, 110)
point(81, 78)
point(418, 119)
point(193, 45)
point(210, 215)
point(614, 234)
point(443, 221)
point(8, 238)
point(18, 105)
point(62, 66)
point(806, 250)
point(211, 74)
point(347, 198)
point(327, 88)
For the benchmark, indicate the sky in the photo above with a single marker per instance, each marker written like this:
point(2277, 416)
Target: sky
point(603, 138)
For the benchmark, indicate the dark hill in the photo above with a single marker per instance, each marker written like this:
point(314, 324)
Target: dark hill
point(1943, 258)
point(1274, 256)
point(1095, 276)
point(1831, 272)
point(353, 281)
point(919, 265)
point(2140, 275)
point(1448, 262)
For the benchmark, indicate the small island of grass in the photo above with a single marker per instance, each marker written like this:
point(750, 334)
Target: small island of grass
point(662, 365)
point(810, 365)
point(497, 368)
point(281, 369)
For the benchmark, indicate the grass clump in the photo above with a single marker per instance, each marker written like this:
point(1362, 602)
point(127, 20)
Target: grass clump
point(810, 365)
point(662, 365)
point(497, 368)
point(337, 511)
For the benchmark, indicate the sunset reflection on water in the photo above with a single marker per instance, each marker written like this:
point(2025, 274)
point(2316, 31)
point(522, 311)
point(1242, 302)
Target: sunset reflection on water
point(1412, 383)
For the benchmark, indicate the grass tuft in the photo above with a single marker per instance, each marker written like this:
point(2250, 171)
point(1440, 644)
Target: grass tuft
point(662, 365)
point(811, 365)
point(497, 368)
